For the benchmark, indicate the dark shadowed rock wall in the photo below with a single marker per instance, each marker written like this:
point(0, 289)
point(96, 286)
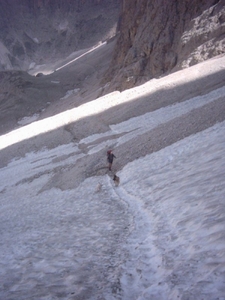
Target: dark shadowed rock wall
point(159, 36)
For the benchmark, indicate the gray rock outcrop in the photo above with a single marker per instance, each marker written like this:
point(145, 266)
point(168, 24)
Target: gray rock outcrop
point(157, 37)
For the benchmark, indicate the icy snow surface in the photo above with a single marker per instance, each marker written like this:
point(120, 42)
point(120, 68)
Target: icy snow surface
point(159, 235)
point(177, 194)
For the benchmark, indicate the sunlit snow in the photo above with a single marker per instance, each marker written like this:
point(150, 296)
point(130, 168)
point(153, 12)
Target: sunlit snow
point(159, 235)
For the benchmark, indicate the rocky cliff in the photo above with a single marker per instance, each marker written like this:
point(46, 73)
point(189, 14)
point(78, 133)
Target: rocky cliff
point(157, 37)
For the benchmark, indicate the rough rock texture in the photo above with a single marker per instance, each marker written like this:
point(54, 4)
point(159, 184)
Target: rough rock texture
point(40, 31)
point(157, 37)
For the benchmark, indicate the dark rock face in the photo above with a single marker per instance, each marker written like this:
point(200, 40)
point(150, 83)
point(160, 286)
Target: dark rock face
point(157, 37)
point(40, 31)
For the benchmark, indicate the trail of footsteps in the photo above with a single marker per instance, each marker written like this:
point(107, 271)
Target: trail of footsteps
point(142, 270)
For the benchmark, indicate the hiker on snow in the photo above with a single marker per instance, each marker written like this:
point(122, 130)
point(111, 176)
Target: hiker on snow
point(110, 157)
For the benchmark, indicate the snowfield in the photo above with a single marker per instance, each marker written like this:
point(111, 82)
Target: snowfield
point(159, 235)
point(177, 198)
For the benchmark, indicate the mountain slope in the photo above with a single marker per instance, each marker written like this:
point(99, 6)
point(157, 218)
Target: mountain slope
point(39, 32)
point(68, 233)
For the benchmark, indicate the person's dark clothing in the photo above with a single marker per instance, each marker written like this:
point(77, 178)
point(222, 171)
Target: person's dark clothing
point(111, 157)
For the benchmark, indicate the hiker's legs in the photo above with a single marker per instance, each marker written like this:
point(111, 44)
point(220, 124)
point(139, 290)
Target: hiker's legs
point(110, 166)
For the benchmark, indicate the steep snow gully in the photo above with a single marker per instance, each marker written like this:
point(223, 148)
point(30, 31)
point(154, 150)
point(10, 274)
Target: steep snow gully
point(159, 235)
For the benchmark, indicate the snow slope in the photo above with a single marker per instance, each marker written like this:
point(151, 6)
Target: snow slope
point(159, 235)
point(177, 198)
